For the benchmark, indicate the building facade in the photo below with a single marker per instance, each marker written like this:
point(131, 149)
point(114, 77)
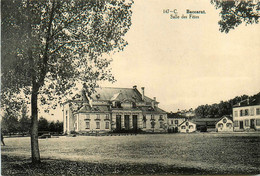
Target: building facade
point(246, 115)
point(187, 127)
point(114, 109)
point(225, 124)
point(174, 120)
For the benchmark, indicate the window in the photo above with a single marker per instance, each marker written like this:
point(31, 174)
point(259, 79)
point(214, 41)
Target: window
point(224, 120)
point(236, 123)
point(161, 124)
point(144, 124)
point(107, 117)
point(183, 127)
point(66, 112)
point(257, 122)
point(236, 114)
point(133, 104)
point(176, 122)
point(252, 111)
point(152, 117)
point(107, 125)
point(229, 125)
point(87, 125)
point(187, 123)
point(246, 123)
point(161, 117)
point(97, 125)
point(220, 125)
point(257, 111)
point(98, 116)
point(171, 121)
point(191, 127)
point(241, 112)
point(118, 104)
point(246, 112)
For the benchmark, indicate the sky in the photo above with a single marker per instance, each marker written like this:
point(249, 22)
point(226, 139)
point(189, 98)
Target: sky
point(185, 63)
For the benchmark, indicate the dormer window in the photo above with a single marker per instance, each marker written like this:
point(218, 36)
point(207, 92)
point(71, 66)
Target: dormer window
point(98, 96)
point(150, 109)
point(118, 104)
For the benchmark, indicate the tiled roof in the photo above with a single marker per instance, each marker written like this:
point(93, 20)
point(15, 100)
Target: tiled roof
point(112, 93)
point(228, 117)
point(205, 121)
point(81, 96)
point(190, 121)
point(99, 108)
point(175, 115)
point(155, 110)
point(249, 102)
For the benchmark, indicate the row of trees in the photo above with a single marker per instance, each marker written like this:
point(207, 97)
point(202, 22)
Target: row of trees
point(222, 108)
point(13, 125)
point(53, 127)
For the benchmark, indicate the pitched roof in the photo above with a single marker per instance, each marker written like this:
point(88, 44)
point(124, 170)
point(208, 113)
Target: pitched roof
point(113, 93)
point(228, 117)
point(255, 100)
point(175, 115)
point(206, 121)
point(98, 108)
point(190, 121)
point(155, 110)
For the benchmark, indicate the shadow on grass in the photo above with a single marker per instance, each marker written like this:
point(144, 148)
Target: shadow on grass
point(13, 165)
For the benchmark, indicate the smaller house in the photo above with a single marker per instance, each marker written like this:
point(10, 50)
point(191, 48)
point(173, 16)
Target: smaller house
point(174, 120)
point(225, 124)
point(187, 127)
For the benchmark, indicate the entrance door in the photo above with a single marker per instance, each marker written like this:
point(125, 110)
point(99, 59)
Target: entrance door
point(252, 123)
point(241, 125)
point(118, 122)
point(127, 125)
point(135, 122)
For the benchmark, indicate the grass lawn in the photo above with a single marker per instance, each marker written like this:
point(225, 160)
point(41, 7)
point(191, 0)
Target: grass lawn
point(196, 153)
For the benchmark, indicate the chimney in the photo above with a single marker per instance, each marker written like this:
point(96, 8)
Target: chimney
point(142, 93)
point(154, 99)
point(134, 87)
point(153, 102)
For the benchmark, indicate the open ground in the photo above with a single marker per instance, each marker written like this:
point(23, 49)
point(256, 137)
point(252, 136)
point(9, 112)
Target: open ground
point(196, 153)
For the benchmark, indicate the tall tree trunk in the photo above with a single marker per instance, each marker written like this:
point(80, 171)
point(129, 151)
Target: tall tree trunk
point(34, 128)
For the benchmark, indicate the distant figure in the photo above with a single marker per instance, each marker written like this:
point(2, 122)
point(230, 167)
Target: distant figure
point(2, 140)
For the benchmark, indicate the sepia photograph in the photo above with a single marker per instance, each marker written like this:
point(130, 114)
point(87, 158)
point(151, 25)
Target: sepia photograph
point(130, 87)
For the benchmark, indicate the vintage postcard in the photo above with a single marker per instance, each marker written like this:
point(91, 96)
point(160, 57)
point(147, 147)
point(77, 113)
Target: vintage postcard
point(130, 87)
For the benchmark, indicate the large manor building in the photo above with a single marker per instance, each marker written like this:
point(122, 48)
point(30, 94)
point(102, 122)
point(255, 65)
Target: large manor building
point(114, 109)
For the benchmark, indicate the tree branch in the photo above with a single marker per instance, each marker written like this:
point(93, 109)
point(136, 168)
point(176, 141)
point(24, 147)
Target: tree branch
point(44, 67)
